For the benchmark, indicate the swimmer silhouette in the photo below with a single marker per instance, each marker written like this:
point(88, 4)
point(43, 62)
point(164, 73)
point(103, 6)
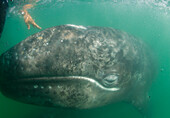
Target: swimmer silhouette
point(27, 18)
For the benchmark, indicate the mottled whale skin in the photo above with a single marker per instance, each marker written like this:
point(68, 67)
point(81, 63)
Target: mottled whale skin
point(77, 67)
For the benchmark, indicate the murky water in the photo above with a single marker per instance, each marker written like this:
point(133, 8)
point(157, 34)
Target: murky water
point(148, 20)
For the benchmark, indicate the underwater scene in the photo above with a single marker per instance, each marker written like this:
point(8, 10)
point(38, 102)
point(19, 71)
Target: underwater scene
point(85, 58)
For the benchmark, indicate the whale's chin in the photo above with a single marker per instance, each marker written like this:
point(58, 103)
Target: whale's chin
point(71, 91)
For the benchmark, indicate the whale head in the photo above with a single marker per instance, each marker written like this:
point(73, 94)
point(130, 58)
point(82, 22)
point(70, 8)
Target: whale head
point(77, 67)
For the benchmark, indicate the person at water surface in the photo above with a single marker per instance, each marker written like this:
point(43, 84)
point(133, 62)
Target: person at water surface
point(27, 17)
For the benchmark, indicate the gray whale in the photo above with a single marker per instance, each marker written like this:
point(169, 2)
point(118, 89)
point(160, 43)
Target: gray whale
point(77, 67)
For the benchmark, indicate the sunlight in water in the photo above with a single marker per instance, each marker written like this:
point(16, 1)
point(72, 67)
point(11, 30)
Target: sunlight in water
point(163, 5)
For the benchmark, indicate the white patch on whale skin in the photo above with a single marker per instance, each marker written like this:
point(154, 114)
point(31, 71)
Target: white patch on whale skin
point(50, 87)
point(77, 26)
point(35, 86)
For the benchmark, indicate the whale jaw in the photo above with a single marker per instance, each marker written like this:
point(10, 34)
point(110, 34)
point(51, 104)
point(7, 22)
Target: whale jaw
point(72, 91)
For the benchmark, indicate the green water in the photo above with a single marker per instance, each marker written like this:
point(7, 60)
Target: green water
point(150, 23)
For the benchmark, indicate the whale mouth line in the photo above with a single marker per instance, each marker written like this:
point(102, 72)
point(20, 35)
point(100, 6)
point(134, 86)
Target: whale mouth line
point(63, 78)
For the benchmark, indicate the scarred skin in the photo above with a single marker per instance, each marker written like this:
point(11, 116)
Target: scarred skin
point(78, 67)
point(27, 17)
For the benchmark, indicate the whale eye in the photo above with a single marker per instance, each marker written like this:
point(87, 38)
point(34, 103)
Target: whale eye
point(110, 80)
